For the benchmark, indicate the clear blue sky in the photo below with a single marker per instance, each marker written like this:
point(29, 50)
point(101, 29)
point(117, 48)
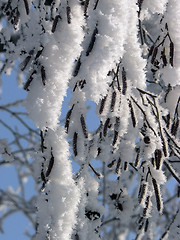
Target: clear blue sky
point(15, 225)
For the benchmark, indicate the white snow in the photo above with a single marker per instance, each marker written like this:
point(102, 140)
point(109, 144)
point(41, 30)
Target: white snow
point(59, 213)
point(60, 50)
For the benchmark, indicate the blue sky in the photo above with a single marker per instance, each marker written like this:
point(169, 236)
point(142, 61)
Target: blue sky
point(15, 225)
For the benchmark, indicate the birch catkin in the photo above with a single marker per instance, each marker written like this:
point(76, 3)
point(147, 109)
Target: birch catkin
point(157, 195)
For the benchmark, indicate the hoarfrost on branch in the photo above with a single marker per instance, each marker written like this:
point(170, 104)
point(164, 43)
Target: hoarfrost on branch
point(123, 56)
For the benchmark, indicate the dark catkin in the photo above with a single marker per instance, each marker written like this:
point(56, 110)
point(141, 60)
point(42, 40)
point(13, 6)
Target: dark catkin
point(141, 220)
point(157, 194)
point(137, 157)
point(106, 124)
point(83, 124)
point(43, 75)
point(82, 83)
point(155, 51)
point(175, 126)
point(55, 23)
point(68, 116)
point(28, 82)
point(118, 166)
point(77, 67)
point(169, 88)
point(163, 56)
point(48, 2)
point(166, 27)
point(117, 123)
point(171, 53)
point(25, 62)
point(140, 225)
point(132, 114)
point(100, 136)
point(98, 151)
point(119, 206)
point(118, 85)
point(7, 5)
point(75, 143)
point(102, 104)
point(158, 156)
point(11, 15)
point(153, 71)
point(146, 206)
point(76, 236)
point(110, 165)
point(42, 142)
point(86, 4)
point(142, 192)
point(139, 194)
point(26, 6)
point(168, 120)
point(114, 196)
point(125, 166)
point(43, 178)
point(115, 137)
point(151, 51)
point(38, 54)
point(92, 41)
point(113, 101)
point(153, 161)
point(124, 82)
point(17, 18)
point(68, 11)
point(147, 140)
point(146, 225)
point(50, 166)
